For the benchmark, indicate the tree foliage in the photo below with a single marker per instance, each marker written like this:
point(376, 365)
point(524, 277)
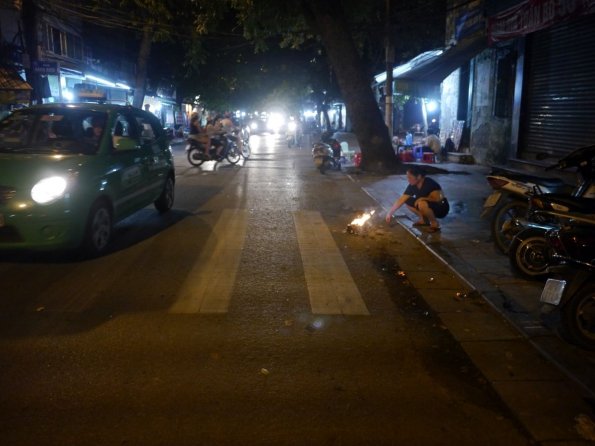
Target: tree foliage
point(350, 34)
point(233, 53)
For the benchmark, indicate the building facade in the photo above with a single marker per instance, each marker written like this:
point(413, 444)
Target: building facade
point(515, 79)
point(57, 55)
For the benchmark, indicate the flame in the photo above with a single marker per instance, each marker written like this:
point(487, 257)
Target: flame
point(360, 221)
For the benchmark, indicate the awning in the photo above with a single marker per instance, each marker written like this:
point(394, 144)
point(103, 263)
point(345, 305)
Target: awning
point(10, 80)
point(13, 89)
point(422, 75)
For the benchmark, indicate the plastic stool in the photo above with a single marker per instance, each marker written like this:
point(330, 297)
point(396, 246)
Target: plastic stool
point(418, 153)
point(428, 157)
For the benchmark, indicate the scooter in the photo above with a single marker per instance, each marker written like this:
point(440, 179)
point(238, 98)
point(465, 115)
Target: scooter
point(198, 152)
point(572, 290)
point(508, 204)
point(529, 253)
point(293, 135)
point(327, 153)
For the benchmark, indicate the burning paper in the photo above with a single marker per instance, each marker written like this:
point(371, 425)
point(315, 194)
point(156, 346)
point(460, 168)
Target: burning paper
point(358, 223)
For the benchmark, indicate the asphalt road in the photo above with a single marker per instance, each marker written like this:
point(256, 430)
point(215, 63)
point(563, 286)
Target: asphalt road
point(246, 316)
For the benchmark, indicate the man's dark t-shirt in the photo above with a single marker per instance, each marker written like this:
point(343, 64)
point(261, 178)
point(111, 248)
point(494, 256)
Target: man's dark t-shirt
point(428, 186)
point(440, 208)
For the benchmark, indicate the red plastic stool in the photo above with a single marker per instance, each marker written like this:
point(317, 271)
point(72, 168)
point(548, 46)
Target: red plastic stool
point(428, 157)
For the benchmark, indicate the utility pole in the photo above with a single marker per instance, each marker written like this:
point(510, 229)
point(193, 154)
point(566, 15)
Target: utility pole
point(388, 86)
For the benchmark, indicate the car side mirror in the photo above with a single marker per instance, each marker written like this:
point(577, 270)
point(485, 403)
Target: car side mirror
point(122, 143)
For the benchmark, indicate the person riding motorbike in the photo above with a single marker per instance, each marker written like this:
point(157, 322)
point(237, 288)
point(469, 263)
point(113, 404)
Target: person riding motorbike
point(213, 131)
point(230, 127)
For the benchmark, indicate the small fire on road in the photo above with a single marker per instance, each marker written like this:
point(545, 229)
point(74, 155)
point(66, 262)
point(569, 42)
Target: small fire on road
point(360, 224)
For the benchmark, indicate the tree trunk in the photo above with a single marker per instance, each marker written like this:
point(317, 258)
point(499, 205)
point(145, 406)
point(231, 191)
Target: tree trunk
point(29, 15)
point(141, 68)
point(368, 125)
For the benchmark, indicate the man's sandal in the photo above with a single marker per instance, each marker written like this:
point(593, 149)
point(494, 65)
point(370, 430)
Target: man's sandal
point(434, 229)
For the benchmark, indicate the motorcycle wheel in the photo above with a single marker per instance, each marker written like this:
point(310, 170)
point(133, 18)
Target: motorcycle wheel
point(324, 166)
point(509, 219)
point(529, 257)
point(578, 318)
point(246, 152)
point(195, 156)
point(233, 154)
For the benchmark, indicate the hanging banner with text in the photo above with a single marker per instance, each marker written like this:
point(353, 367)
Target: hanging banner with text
point(533, 15)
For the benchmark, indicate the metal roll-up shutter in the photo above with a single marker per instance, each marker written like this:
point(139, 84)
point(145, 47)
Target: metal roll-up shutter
point(558, 113)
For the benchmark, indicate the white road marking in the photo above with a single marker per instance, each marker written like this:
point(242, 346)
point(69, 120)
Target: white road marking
point(209, 284)
point(330, 284)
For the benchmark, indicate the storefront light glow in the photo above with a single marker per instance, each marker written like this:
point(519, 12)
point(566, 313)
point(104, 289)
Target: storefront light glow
point(99, 80)
point(68, 95)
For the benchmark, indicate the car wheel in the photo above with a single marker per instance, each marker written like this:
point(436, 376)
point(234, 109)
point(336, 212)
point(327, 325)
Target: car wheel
point(99, 229)
point(166, 200)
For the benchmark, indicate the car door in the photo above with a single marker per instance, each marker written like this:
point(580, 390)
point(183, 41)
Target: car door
point(152, 140)
point(129, 170)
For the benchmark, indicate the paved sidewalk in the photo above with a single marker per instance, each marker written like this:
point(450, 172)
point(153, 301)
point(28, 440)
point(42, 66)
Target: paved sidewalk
point(548, 383)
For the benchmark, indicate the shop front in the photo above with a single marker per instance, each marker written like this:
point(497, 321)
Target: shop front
point(554, 90)
point(14, 91)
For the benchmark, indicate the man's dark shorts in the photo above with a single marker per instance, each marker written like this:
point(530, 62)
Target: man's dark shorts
point(440, 208)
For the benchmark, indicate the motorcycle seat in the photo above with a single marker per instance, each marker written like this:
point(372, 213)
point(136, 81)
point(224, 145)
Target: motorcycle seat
point(575, 204)
point(550, 183)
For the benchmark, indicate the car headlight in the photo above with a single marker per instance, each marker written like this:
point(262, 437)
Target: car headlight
point(49, 189)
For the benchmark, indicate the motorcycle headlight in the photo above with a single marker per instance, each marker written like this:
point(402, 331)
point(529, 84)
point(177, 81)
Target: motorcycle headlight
point(49, 190)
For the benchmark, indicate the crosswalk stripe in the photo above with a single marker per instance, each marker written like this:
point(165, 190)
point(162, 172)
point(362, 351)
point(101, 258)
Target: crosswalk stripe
point(209, 284)
point(330, 284)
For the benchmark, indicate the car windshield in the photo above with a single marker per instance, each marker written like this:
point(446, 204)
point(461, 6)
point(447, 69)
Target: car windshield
point(60, 130)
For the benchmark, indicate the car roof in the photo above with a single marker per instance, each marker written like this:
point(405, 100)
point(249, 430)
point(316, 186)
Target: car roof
point(90, 106)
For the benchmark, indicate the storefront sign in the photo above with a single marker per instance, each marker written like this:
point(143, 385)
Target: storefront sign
point(533, 15)
point(45, 67)
point(87, 92)
point(469, 23)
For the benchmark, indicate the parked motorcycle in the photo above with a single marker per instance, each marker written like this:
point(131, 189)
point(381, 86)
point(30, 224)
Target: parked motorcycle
point(198, 152)
point(529, 253)
point(327, 153)
point(507, 206)
point(572, 289)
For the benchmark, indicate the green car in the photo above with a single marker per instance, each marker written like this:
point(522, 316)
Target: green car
point(69, 172)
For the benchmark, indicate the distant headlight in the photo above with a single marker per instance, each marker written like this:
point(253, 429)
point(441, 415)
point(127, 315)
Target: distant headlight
point(254, 126)
point(48, 190)
point(275, 122)
point(292, 126)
